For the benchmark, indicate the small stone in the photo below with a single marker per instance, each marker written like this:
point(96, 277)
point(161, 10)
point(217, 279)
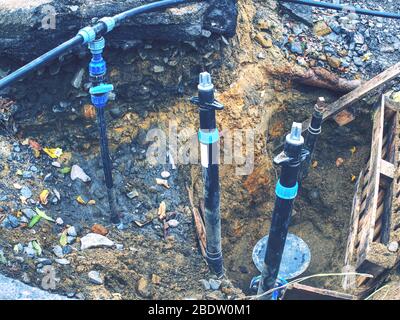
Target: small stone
point(119, 246)
point(26, 192)
point(58, 251)
point(59, 221)
point(77, 79)
point(66, 249)
point(393, 246)
point(296, 47)
point(206, 284)
point(29, 213)
point(94, 240)
point(18, 248)
point(56, 164)
point(133, 194)
point(78, 173)
point(99, 229)
point(71, 231)
point(214, 284)
point(322, 29)
point(165, 174)
point(63, 262)
point(158, 69)
point(173, 223)
point(334, 62)
point(143, 288)
point(94, 277)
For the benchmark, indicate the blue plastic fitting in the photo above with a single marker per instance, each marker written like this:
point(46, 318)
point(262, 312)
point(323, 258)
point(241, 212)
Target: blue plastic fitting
point(286, 193)
point(97, 46)
point(208, 137)
point(99, 94)
point(109, 22)
point(88, 34)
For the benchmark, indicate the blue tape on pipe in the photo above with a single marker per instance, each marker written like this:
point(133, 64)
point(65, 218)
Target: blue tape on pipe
point(286, 193)
point(208, 137)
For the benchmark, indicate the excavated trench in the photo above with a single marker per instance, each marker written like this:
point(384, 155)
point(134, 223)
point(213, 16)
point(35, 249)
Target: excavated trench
point(56, 115)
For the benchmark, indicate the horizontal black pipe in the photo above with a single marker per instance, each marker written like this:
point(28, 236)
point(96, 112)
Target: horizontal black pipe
point(100, 29)
point(343, 7)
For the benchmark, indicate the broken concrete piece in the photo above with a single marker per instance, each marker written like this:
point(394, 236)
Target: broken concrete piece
point(78, 173)
point(94, 240)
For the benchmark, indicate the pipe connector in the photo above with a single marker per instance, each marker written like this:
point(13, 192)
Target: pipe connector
point(88, 34)
point(109, 23)
point(295, 137)
point(205, 82)
point(96, 46)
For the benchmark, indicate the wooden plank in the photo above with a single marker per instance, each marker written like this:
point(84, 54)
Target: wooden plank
point(367, 233)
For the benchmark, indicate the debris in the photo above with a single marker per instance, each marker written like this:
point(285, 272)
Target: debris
point(99, 229)
point(94, 240)
point(91, 202)
point(71, 231)
point(95, 278)
point(322, 29)
point(59, 221)
point(65, 170)
point(63, 239)
point(206, 284)
point(162, 182)
point(353, 150)
point(56, 164)
point(339, 162)
point(53, 153)
point(155, 279)
point(43, 197)
point(214, 284)
point(78, 173)
point(58, 251)
point(57, 194)
point(314, 164)
point(80, 200)
point(162, 209)
point(89, 111)
point(36, 246)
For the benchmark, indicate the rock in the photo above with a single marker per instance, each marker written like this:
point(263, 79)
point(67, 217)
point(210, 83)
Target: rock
point(296, 47)
point(56, 164)
point(94, 277)
point(99, 229)
point(393, 246)
point(322, 29)
point(58, 251)
point(158, 69)
point(132, 194)
point(116, 112)
point(78, 173)
point(11, 222)
point(206, 284)
point(173, 223)
point(29, 213)
point(215, 295)
point(63, 262)
point(59, 221)
point(94, 240)
point(304, 13)
point(165, 174)
point(334, 62)
point(358, 61)
point(77, 79)
point(18, 248)
point(71, 231)
point(214, 284)
point(26, 192)
point(143, 288)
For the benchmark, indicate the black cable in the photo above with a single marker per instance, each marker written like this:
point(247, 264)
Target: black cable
point(347, 8)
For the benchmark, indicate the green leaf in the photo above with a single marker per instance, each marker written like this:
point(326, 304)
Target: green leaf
point(34, 220)
point(43, 215)
point(63, 239)
point(36, 246)
point(65, 170)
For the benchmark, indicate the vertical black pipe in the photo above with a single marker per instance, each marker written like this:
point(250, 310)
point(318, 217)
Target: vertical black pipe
point(313, 131)
point(286, 191)
point(209, 144)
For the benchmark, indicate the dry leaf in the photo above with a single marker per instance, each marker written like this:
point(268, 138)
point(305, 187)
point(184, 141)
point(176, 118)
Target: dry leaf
point(35, 145)
point(99, 229)
point(43, 197)
point(162, 211)
point(53, 153)
point(80, 200)
point(353, 178)
point(163, 183)
point(353, 150)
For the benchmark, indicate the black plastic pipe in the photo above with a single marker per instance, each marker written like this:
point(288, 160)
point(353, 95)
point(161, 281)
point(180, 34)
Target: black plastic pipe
point(209, 144)
point(286, 191)
point(313, 132)
point(98, 30)
point(343, 7)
